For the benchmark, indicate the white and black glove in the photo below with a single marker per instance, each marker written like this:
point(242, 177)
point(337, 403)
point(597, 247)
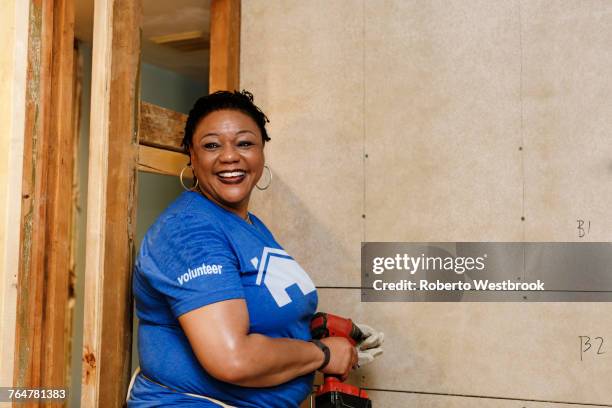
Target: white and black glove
point(370, 347)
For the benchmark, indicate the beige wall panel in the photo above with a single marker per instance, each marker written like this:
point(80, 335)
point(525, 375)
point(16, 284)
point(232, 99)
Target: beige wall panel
point(568, 118)
point(434, 90)
point(515, 350)
point(394, 399)
point(443, 121)
point(302, 60)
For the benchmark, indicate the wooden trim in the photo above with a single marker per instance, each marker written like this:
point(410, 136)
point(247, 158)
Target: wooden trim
point(14, 28)
point(43, 317)
point(161, 127)
point(111, 202)
point(160, 161)
point(224, 45)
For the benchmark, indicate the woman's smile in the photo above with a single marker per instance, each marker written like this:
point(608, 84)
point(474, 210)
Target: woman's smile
point(231, 176)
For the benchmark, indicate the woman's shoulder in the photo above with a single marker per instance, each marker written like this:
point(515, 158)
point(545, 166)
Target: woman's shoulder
point(189, 210)
point(183, 229)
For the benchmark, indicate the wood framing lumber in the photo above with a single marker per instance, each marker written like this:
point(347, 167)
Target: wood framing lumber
point(224, 45)
point(111, 202)
point(161, 127)
point(28, 342)
point(160, 161)
point(43, 318)
point(59, 191)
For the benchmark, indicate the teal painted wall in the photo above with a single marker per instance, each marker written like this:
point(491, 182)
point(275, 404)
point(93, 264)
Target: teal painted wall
point(169, 89)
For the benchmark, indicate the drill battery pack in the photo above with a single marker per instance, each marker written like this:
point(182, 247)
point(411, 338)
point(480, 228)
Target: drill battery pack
point(337, 399)
point(336, 394)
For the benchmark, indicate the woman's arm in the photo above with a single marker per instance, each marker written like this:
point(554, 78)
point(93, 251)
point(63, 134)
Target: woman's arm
point(219, 336)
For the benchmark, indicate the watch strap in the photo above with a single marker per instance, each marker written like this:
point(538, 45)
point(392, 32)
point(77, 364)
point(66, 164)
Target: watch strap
point(325, 350)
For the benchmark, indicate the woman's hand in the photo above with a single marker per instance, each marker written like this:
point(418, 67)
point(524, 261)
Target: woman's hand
point(371, 347)
point(343, 356)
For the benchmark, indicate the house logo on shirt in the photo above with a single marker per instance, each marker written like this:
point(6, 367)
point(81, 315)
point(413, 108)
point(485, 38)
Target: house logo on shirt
point(277, 270)
point(199, 271)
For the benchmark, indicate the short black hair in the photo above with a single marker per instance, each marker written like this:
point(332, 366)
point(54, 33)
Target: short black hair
point(240, 101)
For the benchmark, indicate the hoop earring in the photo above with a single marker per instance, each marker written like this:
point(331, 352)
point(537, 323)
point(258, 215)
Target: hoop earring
point(195, 186)
point(269, 181)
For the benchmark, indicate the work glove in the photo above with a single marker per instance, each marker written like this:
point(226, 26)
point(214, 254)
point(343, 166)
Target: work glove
point(370, 347)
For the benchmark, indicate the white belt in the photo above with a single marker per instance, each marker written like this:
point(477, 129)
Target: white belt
point(222, 404)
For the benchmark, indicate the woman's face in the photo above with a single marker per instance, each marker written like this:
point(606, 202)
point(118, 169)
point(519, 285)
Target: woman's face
point(227, 158)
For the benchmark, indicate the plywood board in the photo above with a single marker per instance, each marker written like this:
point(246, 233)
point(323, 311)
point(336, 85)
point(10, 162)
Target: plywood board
point(515, 350)
point(302, 82)
point(567, 119)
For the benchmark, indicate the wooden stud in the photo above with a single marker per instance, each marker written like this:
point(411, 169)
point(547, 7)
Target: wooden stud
point(59, 190)
point(160, 161)
point(43, 318)
point(96, 197)
point(161, 127)
point(224, 45)
point(28, 333)
point(111, 202)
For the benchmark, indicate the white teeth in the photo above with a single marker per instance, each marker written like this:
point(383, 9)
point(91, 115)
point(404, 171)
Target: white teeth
point(231, 174)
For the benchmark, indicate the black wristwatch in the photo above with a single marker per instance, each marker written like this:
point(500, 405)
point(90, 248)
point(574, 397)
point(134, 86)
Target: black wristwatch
point(325, 351)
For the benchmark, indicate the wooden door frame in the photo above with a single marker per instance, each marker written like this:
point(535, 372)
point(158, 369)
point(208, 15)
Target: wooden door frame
point(112, 198)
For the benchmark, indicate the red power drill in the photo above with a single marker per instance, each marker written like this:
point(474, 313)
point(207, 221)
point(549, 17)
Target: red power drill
point(334, 393)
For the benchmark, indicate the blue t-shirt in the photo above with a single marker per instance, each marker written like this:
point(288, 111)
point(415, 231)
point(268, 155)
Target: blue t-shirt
point(198, 253)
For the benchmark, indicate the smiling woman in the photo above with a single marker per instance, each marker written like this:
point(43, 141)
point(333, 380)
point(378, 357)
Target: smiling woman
point(224, 311)
point(225, 135)
point(227, 158)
